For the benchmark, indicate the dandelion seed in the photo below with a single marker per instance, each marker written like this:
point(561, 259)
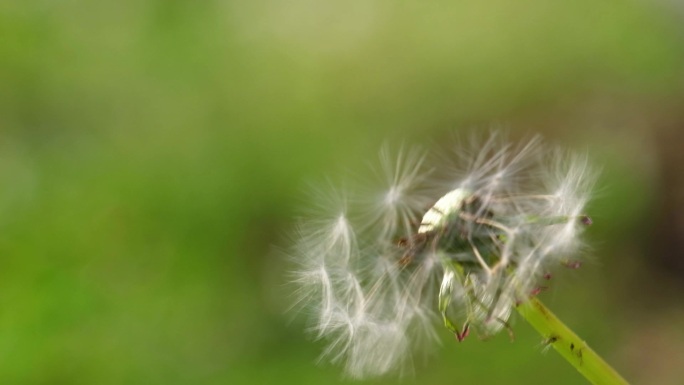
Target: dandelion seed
point(461, 239)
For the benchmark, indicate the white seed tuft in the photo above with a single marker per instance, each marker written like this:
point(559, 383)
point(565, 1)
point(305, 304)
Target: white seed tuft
point(460, 239)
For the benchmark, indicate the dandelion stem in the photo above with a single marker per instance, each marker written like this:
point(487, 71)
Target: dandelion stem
point(568, 344)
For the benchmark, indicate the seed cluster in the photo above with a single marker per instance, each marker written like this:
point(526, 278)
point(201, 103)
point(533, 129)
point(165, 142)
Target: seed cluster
point(460, 238)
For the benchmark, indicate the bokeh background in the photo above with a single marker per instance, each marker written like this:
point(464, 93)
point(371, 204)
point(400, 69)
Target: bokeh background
point(153, 155)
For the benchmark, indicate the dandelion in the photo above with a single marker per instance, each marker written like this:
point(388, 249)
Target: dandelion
point(460, 239)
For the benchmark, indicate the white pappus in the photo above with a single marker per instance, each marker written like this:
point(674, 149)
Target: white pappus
point(456, 239)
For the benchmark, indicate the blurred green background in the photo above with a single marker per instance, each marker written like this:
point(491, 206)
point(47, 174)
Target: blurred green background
point(153, 155)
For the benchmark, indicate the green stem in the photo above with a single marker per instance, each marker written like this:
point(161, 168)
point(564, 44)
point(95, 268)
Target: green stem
point(568, 344)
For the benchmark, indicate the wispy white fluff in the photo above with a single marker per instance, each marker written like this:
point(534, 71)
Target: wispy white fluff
point(459, 238)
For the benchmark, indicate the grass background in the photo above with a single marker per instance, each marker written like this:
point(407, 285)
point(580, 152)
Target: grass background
point(154, 153)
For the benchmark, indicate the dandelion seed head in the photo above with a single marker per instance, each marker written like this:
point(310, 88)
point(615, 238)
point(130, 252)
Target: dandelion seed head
point(458, 239)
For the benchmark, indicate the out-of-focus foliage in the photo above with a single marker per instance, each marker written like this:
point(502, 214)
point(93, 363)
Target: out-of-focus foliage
point(153, 154)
